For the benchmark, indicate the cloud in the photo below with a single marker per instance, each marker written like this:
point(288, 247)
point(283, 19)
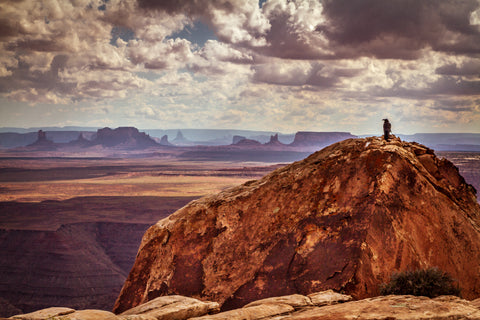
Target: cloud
point(234, 21)
point(470, 67)
point(292, 62)
point(303, 73)
point(292, 34)
point(172, 53)
point(400, 29)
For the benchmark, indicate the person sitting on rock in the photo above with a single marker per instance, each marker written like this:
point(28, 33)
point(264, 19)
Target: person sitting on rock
point(387, 128)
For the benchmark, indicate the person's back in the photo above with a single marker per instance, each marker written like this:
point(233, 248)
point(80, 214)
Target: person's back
point(387, 128)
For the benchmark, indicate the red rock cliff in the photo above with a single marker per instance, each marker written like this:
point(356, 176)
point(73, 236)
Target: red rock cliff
point(344, 218)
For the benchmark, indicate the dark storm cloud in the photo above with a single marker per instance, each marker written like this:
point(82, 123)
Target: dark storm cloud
point(455, 105)
point(469, 68)
point(400, 28)
point(445, 86)
point(24, 77)
point(42, 45)
point(188, 7)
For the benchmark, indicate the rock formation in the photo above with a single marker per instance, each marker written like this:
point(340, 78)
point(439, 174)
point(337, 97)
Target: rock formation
point(317, 140)
point(124, 137)
point(164, 141)
point(80, 142)
point(248, 143)
point(79, 265)
point(74, 253)
point(237, 139)
point(326, 305)
point(180, 140)
point(42, 143)
point(274, 141)
point(344, 218)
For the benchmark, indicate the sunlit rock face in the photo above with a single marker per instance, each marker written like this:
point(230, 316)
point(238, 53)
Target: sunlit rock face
point(344, 218)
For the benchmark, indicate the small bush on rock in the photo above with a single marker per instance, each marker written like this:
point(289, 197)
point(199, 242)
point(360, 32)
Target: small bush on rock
point(430, 282)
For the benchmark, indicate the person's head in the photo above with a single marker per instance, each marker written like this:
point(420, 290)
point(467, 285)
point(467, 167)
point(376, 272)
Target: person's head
point(386, 120)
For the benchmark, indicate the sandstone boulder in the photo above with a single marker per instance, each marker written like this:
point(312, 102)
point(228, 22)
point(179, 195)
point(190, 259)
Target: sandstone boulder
point(344, 218)
point(393, 308)
point(297, 301)
point(170, 308)
point(87, 315)
point(328, 297)
point(44, 313)
point(263, 311)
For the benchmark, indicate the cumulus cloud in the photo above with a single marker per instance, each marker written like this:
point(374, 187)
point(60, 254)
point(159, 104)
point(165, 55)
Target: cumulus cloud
point(303, 60)
point(235, 21)
point(400, 29)
point(471, 67)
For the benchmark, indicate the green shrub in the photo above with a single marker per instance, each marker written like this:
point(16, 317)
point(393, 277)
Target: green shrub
point(430, 282)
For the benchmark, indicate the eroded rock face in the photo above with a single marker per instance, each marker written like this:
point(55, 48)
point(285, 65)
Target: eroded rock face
point(344, 218)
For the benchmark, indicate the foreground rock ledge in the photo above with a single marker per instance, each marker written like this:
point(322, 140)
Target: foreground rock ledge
point(325, 305)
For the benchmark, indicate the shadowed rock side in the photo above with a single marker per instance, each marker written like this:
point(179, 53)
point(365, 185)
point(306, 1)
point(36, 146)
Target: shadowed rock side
point(344, 218)
point(80, 265)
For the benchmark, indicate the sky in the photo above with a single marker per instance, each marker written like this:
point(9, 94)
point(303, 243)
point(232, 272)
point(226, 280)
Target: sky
point(275, 65)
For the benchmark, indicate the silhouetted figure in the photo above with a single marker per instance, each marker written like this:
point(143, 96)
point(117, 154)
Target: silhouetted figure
point(387, 128)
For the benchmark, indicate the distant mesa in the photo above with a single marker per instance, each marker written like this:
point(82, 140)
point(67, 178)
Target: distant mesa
point(319, 139)
point(236, 139)
point(248, 143)
point(42, 143)
point(123, 137)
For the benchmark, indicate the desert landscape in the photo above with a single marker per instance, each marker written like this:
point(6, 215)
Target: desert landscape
point(60, 216)
point(63, 214)
point(239, 159)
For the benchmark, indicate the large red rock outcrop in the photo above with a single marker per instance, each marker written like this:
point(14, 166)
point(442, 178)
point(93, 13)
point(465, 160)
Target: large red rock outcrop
point(344, 218)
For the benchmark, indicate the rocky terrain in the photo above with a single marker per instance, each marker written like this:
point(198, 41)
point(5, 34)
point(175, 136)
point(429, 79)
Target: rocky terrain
point(326, 305)
point(344, 218)
point(75, 253)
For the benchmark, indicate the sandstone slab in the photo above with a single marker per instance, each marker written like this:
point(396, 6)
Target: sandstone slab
point(170, 308)
point(89, 314)
point(44, 313)
point(394, 308)
point(328, 297)
point(262, 311)
point(297, 301)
